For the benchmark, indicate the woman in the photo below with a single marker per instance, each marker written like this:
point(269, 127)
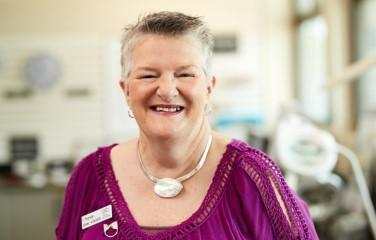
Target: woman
point(178, 179)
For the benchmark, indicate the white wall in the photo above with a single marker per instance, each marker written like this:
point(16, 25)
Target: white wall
point(263, 28)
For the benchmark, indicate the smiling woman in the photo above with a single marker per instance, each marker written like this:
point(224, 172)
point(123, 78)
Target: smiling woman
point(178, 179)
point(167, 75)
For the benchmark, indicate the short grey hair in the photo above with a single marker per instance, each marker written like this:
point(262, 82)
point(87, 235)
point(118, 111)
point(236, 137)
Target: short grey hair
point(172, 24)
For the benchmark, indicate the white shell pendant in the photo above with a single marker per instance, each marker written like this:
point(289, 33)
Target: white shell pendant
point(167, 187)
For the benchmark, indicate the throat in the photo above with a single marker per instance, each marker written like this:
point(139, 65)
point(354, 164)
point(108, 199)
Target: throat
point(172, 161)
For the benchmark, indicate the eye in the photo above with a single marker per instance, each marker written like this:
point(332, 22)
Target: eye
point(146, 76)
point(186, 75)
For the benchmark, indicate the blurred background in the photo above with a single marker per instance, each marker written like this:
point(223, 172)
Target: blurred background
point(296, 78)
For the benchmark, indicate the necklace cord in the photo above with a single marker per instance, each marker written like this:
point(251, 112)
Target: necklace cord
point(184, 177)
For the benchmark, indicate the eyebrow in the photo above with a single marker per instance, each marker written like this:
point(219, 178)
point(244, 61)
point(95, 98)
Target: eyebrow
point(145, 68)
point(153, 69)
point(186, 66)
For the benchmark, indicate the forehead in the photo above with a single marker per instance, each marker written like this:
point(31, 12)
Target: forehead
point(164, 51)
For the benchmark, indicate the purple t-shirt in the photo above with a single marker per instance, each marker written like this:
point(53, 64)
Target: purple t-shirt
point(241, 203)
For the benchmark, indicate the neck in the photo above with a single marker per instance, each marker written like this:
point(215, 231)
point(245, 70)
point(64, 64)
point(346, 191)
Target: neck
point(176, 156)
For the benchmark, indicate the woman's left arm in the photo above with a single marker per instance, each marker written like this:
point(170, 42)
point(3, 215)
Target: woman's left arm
point(288, 213)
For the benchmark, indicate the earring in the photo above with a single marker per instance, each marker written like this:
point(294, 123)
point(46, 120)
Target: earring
point(130, 113)
point(208, 109)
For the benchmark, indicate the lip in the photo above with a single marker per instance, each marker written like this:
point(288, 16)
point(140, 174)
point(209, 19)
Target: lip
point(154, 107)
point(166, 105)
point(168, 113)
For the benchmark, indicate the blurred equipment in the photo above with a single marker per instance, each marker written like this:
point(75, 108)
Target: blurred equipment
point(23, 147)
point(304, 149)
point(237, 123)
point(23, 152)
point(353, 71)
point(59, 172)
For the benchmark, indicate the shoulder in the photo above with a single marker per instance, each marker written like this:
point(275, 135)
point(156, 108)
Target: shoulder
point(254, 169)
point(82, 188)
point(85, 164)
point(286, 211)
point(88, 164)
point(250, 157)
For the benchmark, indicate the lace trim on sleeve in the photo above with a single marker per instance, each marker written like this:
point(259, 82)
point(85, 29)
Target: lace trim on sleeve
point(286, 216)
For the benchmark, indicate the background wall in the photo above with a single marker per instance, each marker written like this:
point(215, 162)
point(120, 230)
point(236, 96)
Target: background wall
point(84, 36)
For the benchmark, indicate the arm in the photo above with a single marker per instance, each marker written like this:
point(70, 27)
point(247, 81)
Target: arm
point(74, 205)
point(288, 214)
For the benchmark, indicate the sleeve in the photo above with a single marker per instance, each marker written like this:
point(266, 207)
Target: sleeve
point(250, 208)
point(77, 192)
point(287, 213)
point(307, 216)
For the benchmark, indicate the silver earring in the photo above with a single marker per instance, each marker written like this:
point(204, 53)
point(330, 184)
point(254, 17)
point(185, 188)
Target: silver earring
point(207, 109)
point(130, 113)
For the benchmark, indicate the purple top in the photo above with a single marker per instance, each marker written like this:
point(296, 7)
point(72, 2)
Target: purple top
point(241, 202)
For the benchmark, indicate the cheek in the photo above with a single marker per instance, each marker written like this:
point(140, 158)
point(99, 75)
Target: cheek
point(200, 94)
point(197, 98)
point(138, 94)
point(197, 89)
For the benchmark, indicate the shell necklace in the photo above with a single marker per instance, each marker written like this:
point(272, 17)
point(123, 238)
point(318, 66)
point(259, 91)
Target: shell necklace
point(171, 187)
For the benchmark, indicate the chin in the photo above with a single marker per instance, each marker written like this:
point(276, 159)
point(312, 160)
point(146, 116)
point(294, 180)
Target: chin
point(167, 132)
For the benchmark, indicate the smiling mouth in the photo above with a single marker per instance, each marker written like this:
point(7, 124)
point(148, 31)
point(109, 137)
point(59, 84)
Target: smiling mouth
point(167, 108)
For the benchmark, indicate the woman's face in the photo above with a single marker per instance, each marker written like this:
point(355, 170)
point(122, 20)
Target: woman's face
point(167, 88)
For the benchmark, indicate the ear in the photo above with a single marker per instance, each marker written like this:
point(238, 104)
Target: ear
point(211, 84)
point(123, 83)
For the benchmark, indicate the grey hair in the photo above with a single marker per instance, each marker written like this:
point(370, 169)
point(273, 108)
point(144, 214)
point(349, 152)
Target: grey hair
point(172, 24)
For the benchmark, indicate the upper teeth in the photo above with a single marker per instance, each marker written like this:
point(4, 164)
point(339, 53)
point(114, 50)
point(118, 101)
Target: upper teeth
point(168, 109)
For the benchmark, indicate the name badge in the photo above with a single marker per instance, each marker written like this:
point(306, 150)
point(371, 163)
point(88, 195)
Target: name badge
point(97, 216)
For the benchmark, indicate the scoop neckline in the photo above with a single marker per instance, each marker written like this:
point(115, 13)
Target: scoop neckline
point(128, 225)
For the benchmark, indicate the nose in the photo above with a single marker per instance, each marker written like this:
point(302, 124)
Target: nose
point(167, 90)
